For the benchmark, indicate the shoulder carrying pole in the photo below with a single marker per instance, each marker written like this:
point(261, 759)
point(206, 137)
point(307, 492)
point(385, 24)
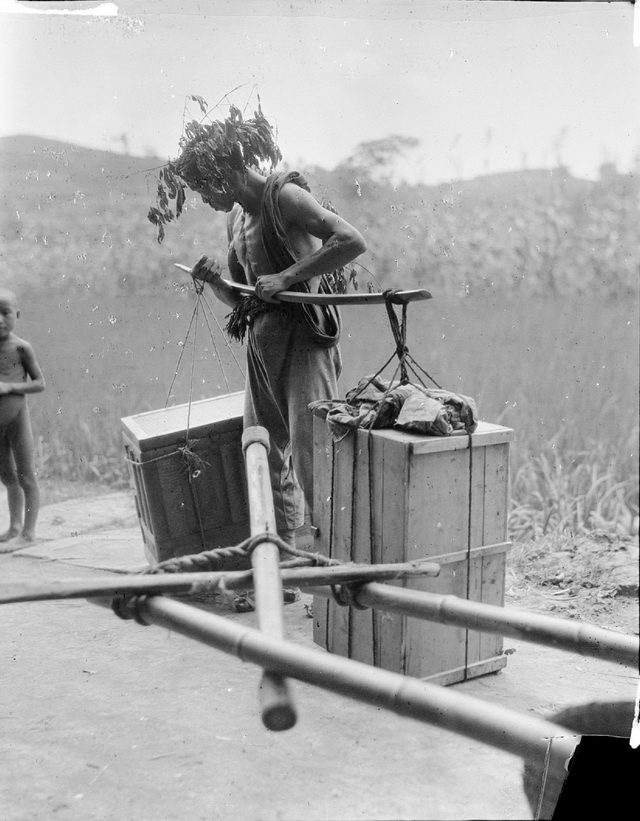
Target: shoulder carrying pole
point(366, 298)
point(278, 710)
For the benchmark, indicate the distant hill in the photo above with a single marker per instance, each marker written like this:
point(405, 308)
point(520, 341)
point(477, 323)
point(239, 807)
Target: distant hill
point(32, 167)
point(78, 216)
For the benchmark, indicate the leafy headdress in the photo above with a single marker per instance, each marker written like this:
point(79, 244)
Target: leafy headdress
point(209, 151)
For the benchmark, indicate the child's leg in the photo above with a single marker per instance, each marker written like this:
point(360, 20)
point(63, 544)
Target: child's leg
point(21, 439)
point(15, 497)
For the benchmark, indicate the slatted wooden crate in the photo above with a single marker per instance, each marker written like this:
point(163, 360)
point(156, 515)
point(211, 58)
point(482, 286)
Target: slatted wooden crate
point(389, 496)
point(186, 504)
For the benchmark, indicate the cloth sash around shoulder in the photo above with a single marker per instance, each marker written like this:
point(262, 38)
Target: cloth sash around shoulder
point(321, 321)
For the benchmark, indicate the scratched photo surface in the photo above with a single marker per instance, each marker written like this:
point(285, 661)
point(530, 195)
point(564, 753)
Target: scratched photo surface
point(488, 152)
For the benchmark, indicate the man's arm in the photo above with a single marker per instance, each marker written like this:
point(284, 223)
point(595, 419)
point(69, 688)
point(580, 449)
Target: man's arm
point(301, 213)
point(208, 270)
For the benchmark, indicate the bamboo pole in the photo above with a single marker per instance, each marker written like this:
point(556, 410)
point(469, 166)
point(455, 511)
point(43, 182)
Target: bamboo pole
point(299, 576)
point(579, 637)
point(325, 299)
point(278, 710)
point(522, 735)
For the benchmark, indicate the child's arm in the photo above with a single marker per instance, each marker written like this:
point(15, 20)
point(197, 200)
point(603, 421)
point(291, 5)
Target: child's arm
point(30, 364)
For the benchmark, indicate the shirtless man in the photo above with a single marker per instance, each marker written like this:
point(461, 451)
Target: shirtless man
point(280, 238)
point(20, 374)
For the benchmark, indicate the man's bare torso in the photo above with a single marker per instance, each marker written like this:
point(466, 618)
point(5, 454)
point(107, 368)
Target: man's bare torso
point(246, 238)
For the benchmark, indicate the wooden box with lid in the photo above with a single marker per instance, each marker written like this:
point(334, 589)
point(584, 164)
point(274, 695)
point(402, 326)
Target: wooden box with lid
point(390, 496)
point(194, 498)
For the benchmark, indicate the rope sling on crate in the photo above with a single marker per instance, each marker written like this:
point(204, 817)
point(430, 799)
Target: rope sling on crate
point(214, 559)
point(406, 362)
point(192, 462)
point(211, 560)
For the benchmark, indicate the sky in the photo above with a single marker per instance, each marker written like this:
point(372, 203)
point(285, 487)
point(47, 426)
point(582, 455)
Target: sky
point(484, 86)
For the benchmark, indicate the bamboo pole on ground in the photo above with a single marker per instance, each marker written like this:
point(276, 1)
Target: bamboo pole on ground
point(278, 710)
point(579, 637)
point(505, 729)
point(204, 582)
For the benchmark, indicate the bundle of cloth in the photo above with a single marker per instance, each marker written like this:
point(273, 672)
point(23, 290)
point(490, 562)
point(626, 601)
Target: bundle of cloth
point(377, 403)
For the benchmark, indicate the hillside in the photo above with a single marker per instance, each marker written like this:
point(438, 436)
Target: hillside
point(78, 217)
point(36, 167)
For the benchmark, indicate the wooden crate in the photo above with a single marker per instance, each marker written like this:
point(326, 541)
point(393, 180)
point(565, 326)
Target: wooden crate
point(187, 506)
point(389, 496)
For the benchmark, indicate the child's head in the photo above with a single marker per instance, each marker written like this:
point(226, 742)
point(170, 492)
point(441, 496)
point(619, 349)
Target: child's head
point(9, 312)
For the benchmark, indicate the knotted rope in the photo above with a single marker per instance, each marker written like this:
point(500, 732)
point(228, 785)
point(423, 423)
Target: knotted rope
point(399, 331)
point(213, 559)
point(346, 595)
point(405, 361)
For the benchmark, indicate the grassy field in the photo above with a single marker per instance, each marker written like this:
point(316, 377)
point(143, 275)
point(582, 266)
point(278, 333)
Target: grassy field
point(562, 373)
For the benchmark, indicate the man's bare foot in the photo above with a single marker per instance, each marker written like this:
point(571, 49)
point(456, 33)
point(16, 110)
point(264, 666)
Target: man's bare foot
point(17, 543)
point(9, 534)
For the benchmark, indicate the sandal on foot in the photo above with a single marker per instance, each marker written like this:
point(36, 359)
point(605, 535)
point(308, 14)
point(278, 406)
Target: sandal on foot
point(290, 595)
point(243, 604)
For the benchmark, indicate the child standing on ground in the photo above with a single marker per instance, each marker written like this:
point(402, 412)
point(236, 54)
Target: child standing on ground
point(20, 374)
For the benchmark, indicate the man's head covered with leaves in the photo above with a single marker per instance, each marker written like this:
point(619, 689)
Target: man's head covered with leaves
point(212, 155)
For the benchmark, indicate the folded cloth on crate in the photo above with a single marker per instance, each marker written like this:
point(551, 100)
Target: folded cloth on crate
point(377, 403)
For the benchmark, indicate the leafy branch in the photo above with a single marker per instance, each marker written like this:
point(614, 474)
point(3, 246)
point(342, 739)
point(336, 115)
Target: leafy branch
point(208, 153)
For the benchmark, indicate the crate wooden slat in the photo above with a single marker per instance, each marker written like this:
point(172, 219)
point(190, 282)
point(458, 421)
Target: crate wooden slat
point(188, 506)
point(386, 496)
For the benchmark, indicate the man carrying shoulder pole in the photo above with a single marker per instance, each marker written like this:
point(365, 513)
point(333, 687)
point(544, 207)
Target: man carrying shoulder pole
point(280, 238)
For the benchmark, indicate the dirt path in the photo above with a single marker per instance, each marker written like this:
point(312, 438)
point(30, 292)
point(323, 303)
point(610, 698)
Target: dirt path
point(103, 718)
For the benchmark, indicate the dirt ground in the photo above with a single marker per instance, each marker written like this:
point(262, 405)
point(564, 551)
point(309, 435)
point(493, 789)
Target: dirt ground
point(106, 719)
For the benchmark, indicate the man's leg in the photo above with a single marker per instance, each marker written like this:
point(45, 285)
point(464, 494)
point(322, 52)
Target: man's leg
point(266, 405)
point(312, 375)
point(270, 345)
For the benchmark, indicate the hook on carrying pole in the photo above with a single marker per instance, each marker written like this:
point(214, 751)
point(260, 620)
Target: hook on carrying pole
point(398, 329)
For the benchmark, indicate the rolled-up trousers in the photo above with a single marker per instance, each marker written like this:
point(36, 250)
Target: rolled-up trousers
point(286, 370)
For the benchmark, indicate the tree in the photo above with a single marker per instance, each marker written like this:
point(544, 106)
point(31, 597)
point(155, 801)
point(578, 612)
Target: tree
point(377, 158)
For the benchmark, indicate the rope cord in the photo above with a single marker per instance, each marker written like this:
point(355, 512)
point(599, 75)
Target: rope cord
point(138, 463)
point(399, 331)
point(470, 500)
point(413, 365)
point(372, 557)
point(545, 776)
point(182, 350)
point(188, 453)
point(229, 346)
point(346, 595)
point(201, 300)
point(213, 559)
point(406, 362)
point(342, 594)
point(331, 532)
point(194, 464)
point(193, 365)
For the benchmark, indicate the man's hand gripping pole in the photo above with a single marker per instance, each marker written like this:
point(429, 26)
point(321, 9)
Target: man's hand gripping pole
point(314, 299)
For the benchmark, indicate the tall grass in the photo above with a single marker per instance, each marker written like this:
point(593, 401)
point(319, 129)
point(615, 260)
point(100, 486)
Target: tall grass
point(564, 489)
point(562, 373)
